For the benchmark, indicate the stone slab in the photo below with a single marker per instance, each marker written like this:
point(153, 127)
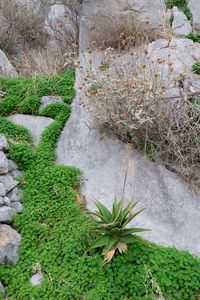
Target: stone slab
point(35, 124)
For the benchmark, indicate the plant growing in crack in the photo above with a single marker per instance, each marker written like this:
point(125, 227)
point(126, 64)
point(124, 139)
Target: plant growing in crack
point(111, 226)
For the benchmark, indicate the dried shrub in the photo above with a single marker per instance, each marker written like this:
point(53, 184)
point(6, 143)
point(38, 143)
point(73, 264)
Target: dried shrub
point(132, 101)
point(33, 62)
point(22, 25)
point(119, 32)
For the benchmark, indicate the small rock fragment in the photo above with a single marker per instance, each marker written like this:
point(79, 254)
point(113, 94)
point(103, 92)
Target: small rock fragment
point(13, 195)
point(2, 190)
point(3, 163)
point(6, 214)
point(36, 279)
point(8, 182)
point(16, 206)
point(6, 201)
point(9, 242)
point(12, 166)
point(2, 290)
point(3, 143)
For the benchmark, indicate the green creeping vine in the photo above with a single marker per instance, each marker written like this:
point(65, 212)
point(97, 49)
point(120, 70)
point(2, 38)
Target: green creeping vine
point(55, 231)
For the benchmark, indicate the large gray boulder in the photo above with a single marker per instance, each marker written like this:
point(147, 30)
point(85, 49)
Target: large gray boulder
point(36, 125)
point(102, 20)
point(181, 26)
point(6, 68)
point(9, 244)
point(61, 26)
point(172, 209)
point(194, 6)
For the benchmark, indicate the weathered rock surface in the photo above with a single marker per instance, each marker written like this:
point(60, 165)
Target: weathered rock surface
point(3, 163)
point(9, 244)
point(6, 68)
point(6, 214)
point(14, 195)
point(36, 279)
point(181, 26)
point(2, 190)
point(172, 208)
point(61, 26)
point(99, 17)
point(46, 100)
point(34, 124)
point(8, 182)
point(194, 6)
point(12, 166)
point(3, 143)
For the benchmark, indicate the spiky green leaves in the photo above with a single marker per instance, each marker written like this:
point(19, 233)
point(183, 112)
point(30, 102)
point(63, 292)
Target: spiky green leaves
point(111, 226)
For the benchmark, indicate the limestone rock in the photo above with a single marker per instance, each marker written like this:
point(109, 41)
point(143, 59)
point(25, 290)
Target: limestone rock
point(2, 190)
point(6, 201)
point(194, 6)
point(61, 26)
point(8, 182)
point(98, 17)
point(46, 100)
point(172, 209)
point(3, 143)
point(17, 206)
point(181, 25)
point(6, 214)
point(9, 244)
point(12, 166)
point(6, 68)
point(34, 124)
point(14, 195)
point(36, 279)
point(3, 163)
point(1, 201)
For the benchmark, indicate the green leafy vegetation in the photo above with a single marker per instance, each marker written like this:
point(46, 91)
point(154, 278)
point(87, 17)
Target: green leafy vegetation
point(194, 36)
point(55, 229)
point(111, 226)
point(196, 68)
point(181, 4)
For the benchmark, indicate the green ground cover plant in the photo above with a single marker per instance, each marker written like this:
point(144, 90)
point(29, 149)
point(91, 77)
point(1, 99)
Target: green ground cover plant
point(196, 68)
point(194, 36)
point(55, 228)
point(181, 4)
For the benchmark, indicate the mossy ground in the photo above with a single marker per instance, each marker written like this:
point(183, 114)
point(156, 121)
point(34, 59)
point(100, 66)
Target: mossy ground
point(54, 227)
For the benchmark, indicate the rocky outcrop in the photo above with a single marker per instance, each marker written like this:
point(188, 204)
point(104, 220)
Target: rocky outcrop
point(100, 20)
point(34, 124)
point(181, 26)
point(172, 209)
point(61, 26)
point(6, 68)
